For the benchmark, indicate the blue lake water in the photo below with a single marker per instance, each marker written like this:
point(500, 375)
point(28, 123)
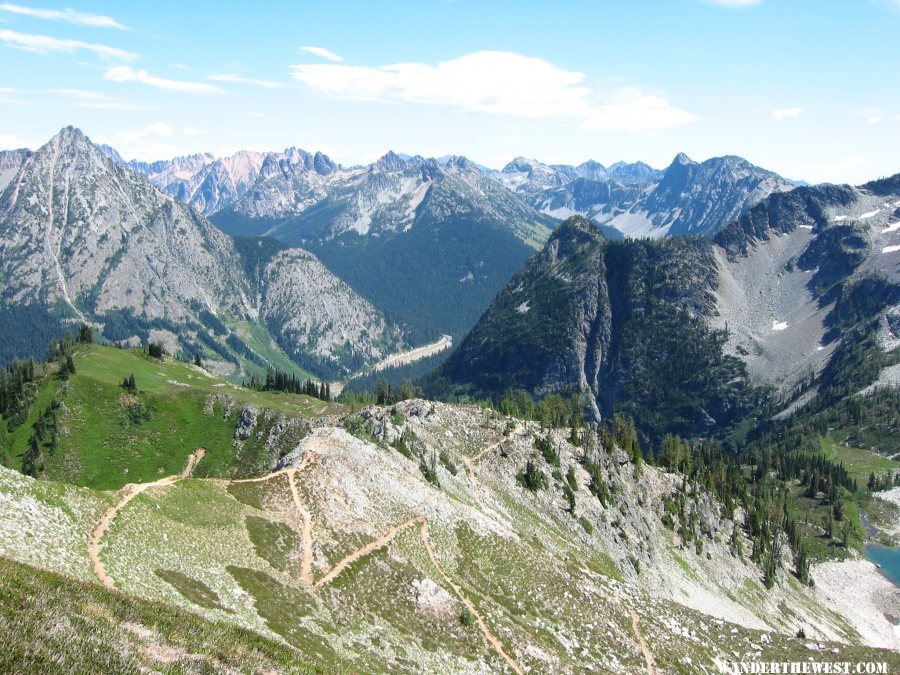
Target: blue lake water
point(888, 558)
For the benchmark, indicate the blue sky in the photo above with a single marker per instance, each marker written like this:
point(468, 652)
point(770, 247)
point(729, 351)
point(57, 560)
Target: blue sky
point(803, 87)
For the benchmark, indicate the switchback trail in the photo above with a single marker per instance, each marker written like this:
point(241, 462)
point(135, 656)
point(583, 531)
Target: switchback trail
point(385, 539)
point(469, 461)
point(648, 657)
point(131, 491)
point(372, 546)
point(306, 562)
point(482, 626)
point(308, 459)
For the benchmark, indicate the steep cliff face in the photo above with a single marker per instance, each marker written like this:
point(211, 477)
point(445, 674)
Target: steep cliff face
point(623, 322)
point(550, 327)
point(10, 162)
point(318, 320)
point(801, 290)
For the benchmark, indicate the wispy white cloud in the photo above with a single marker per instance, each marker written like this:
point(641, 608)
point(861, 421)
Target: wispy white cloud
point(503, 83)
point(152, 142)
point(322, 53)
point(128, 74)
point(95, 100)
point(240, 79)
point(10, 142)
point(45, 44)
point(64, 15)
point(847, 169)
point(873, 119)
point(5, 96)
point(733, 4)
point(890, 4)
point(785, 113)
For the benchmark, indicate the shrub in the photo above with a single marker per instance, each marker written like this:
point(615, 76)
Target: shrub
point(532, 477)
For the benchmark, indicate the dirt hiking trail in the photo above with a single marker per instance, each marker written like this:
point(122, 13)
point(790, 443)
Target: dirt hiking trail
point(648, 657)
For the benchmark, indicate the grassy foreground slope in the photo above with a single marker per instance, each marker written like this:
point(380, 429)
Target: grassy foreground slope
point(50, 623)
point(106, 436)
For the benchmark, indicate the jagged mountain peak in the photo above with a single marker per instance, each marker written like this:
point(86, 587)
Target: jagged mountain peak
point(390, 161)
point(575, 225)
point(69, 133)
point(323, 164)
point(524, 165)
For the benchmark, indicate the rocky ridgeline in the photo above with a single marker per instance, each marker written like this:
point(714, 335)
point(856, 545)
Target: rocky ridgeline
point(686, 198)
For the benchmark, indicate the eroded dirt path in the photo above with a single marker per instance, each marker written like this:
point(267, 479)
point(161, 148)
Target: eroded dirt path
point(306, 537)
point(372, 546)
point(384, 540)
point(648, 657)
point(482, 626)
point(469, 462)
point(308, 459)
point(192, 462)
point(131, 491)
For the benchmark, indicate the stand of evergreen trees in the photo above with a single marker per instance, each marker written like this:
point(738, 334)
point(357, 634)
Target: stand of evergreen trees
point(279, 380)
point(16, 391)
point(384, 393)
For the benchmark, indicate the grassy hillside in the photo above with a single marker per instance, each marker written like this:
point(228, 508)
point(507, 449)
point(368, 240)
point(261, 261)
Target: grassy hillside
point(51, 623)
point(106, 436)
point(357, 557)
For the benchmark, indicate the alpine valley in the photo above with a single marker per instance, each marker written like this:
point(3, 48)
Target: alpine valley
point(594, 419)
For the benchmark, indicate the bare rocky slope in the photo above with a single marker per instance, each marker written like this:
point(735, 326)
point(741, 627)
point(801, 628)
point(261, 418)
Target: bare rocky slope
point(410, 545)
point(85, 238)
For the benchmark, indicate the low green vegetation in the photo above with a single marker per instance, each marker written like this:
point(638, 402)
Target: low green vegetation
point(193, 590)
point(124, 416)
point(275, 542)
point(53, 624)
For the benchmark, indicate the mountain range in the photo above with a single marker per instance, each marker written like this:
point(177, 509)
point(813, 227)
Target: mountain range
point(638, 201)
point(85, 238)
point(675, 436)
point(431, 241)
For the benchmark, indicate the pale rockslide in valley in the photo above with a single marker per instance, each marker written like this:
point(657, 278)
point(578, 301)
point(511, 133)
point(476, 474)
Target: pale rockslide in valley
point(639, 452)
